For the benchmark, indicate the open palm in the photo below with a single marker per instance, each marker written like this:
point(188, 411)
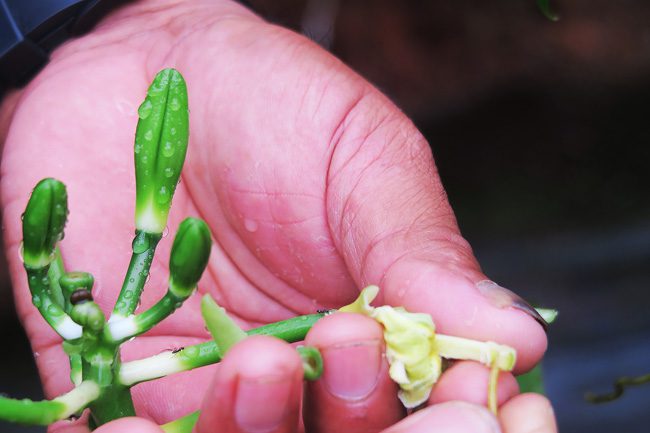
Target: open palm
point(312, 183)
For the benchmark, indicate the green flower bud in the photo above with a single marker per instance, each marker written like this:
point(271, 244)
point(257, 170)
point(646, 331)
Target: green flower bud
point(189, 256)
point(160, 146)
point(43, 222)
point(73, 281)
point(89, 315)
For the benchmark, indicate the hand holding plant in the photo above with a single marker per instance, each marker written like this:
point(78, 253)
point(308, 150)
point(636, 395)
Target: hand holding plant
point(312, 185)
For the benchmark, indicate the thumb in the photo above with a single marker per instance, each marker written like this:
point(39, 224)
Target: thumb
point(390, 218)
point(450, 417)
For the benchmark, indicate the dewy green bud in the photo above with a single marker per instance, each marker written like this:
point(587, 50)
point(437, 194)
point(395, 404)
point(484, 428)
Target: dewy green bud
point(43, 222)
point(89, 315)
point(71, 281)
point(160, 147)
point(189, 256)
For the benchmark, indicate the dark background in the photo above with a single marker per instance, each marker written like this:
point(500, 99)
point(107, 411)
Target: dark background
point(541, 132)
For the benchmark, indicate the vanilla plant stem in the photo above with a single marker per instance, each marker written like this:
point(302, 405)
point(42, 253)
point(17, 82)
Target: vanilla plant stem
point(48, 411)
point(199, 355)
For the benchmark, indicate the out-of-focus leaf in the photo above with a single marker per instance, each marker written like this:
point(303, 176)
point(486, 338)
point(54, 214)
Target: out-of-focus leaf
point(545, 7)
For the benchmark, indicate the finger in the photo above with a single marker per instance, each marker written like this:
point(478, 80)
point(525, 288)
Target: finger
point(257, 387)
point(451, 417)
point(355, 390)
point(131, 424)
point(528, 413)
point(468, 381)
point(391, 220)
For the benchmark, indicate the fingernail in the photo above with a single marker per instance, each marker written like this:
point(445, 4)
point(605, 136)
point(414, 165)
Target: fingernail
point(262, 403)
point(504, 298)
point(351, 371)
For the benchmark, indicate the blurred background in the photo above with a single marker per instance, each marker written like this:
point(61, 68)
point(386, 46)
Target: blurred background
point(541, 132)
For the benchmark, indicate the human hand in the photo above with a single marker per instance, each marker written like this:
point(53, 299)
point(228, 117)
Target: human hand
point(312, 182)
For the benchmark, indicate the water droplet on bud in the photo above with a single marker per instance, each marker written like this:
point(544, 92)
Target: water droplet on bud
point(168, 149)
point(145, 109)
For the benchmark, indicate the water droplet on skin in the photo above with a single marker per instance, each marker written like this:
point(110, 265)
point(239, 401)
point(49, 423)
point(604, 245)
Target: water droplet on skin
point(20, 253)
point(168, 149)
point(163, 195)
point(36, 354)
point(140, 245)
point(169, 172)
point(174, 104)
point(146, 280)
point(145, 109)
point(250, 225)
point(165, 232)
point(148, 135)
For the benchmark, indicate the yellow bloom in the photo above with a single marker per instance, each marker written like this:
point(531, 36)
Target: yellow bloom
point(410, 346)
point(415, 352)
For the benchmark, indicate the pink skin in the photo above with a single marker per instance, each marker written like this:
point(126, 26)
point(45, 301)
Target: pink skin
point(314, 184)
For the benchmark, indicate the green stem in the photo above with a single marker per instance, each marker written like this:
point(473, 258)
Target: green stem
point(121, 330)
point(115, 402)
point(52, 312)
point(48, 411)
point(56, 270)
point(199, 355)
point(144, 246)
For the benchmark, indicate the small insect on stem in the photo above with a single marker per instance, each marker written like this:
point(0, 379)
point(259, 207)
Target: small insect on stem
point(177, 350)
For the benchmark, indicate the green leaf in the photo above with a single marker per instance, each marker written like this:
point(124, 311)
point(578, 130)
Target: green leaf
point(545, 7)
point(189, 256)
point(548, 314)
point(533, 381)
point(160, 147)
point(223, 329)
point(43, 222)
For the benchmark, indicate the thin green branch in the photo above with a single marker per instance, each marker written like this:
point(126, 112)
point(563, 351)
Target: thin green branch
point(199, 355)
point(144, 247)
point(619, 388)
point(55, 272)
point(48, 411)
point(121, 330)
point(52, 312)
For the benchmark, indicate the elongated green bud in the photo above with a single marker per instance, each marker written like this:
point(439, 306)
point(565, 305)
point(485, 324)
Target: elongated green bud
point(189, 256)
point(160, 147)
point(43, 222)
